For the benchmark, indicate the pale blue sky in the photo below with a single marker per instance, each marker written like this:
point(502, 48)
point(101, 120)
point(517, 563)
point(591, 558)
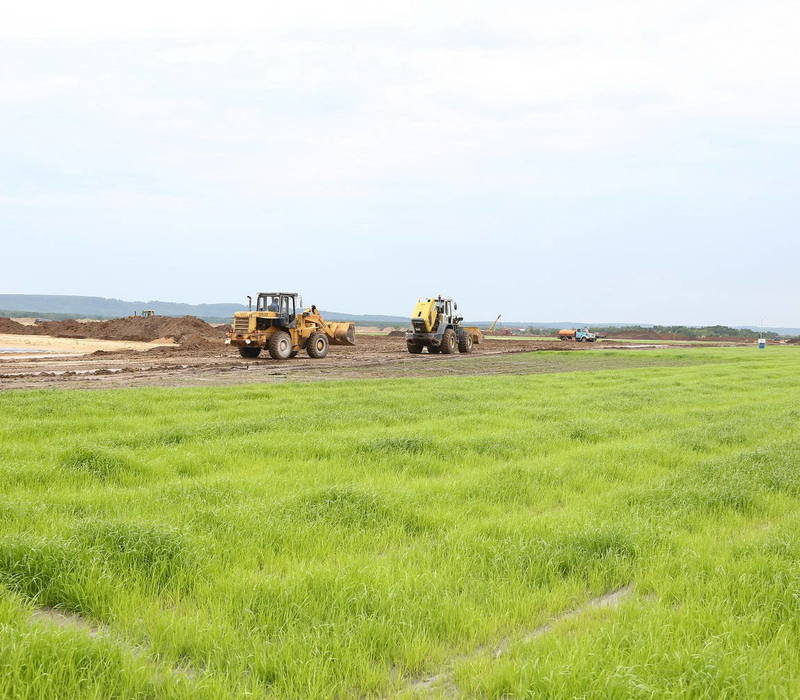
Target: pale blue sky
point(598, 161)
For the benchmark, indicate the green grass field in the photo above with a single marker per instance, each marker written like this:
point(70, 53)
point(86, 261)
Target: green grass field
point(410, 536)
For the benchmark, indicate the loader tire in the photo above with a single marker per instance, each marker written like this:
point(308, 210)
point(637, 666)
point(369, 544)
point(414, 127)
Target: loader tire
point(280, 345)
point(317, 346)
point(465, 344)
point(449, 342)
point(414, 348)
point(250, 352)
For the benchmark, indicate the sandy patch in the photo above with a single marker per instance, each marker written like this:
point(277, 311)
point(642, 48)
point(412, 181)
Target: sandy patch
point(50, 344)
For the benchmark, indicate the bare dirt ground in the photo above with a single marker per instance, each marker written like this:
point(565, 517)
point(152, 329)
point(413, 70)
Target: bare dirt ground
point(207, 362)
point(12, 344)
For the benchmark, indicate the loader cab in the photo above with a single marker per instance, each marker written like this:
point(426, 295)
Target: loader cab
point(285, 306)
point(447, 308)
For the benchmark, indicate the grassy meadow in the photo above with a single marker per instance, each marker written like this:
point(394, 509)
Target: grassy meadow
point(409, 537)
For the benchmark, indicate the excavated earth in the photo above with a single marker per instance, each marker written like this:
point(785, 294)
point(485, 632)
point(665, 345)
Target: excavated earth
point(217, 364)
point(130, 328)
point(201, 357)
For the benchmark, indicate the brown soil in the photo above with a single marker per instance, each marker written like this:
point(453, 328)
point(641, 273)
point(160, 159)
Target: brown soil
point(130, 328)
point(9, 326)
point(208, 362)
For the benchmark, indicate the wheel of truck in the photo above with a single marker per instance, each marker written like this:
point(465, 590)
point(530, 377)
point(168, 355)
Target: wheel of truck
point(414, 348)
point(280, 345)
point(317, 346)
point(434, 349)
point(250, 352)
point(449, 342)
point(465, 343)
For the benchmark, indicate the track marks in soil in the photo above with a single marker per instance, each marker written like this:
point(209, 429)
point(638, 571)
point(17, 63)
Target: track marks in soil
point(442, 683)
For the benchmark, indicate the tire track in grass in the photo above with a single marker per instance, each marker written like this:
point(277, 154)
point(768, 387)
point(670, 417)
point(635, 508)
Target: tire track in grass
point(442, 682)
point(58, 618)
point(52, 617)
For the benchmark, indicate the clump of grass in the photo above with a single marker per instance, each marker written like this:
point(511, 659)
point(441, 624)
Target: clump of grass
point(341, 506)
point(158, 557)
point(50, 572)
point(36, 569)
point(96, 462)
point(511, 484)
point(350, 508)
point(580, 553)
point(584, 433)
point(395, 445)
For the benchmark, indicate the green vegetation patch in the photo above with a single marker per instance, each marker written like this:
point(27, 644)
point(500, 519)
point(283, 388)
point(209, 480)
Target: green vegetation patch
point(578, 525)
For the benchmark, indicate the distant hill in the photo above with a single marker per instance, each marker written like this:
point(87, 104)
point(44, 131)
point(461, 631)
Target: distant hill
point(58, 306)
point(109, 308)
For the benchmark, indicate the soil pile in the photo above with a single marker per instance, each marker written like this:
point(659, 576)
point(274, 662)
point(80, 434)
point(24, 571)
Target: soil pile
point(9, 326)
point(396, 334)
point(196, 341)
point(130, 328)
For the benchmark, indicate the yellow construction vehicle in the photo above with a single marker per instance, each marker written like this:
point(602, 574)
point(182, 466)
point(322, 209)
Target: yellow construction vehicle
point(147, 313)
point(280, 325)
point(435, 325)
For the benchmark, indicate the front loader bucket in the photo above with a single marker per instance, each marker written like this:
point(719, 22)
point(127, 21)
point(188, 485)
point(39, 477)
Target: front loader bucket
point(342, 333)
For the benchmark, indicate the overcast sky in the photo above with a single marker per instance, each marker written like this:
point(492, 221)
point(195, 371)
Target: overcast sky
point(601, 160)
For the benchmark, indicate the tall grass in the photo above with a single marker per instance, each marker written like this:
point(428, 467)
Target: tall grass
point(347, 538)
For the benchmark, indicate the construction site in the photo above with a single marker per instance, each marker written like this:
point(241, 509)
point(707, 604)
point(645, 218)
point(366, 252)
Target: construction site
point(167, 351)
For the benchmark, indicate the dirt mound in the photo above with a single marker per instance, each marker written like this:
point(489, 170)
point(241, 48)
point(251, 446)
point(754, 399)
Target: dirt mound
point(197, 341)
point(9, 326)
point(130, 328)
point(396, 334)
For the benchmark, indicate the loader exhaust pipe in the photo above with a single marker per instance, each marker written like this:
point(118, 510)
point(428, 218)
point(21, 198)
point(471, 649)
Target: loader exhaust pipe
point(342, 332)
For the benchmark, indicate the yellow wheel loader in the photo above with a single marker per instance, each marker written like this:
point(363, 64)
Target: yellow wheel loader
point(281, 326)
point(436, 326)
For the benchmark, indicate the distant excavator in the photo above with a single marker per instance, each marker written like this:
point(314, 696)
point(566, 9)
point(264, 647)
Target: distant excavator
point(494, 330)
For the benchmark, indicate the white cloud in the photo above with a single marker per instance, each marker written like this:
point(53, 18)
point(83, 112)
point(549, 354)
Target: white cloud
point(377, 109)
